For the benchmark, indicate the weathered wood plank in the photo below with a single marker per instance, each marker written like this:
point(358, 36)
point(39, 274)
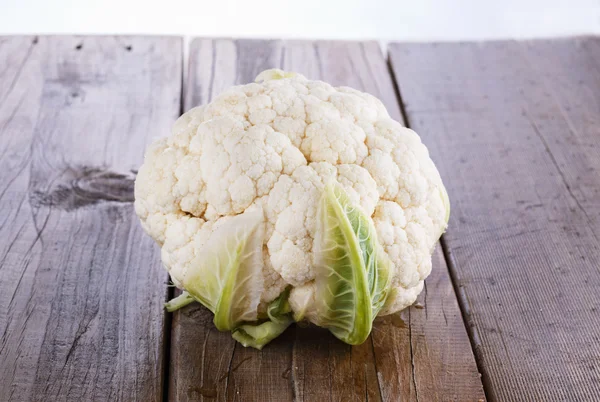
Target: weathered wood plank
point(515, 130)
point(81, 287)
point(440, 363)
point(309, 364)
point(207, 364)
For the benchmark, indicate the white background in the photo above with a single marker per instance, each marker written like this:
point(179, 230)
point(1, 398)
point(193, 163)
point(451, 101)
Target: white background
point(333, 19)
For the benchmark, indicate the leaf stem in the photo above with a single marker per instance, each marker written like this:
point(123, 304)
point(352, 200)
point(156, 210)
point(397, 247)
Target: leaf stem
point(180, 301)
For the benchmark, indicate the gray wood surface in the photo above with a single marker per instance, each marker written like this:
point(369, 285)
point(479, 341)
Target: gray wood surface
point(515, 130)
point(81, 287)
point(421, 354)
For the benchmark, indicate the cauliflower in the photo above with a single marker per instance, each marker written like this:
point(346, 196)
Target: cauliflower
point(288, 199)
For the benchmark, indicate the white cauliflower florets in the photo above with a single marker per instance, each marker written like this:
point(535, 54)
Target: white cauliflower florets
point(274, 145)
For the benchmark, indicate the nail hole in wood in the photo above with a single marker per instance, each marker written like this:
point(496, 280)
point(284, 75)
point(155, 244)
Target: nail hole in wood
point(128, 48)
point(79, 46)
point(35, 40)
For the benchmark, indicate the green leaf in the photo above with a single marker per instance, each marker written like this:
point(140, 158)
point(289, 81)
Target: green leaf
point(179, 302)
point(274, 74)
point(280, 306)
point(352, 271)
point(228, 279)
point(257, 336)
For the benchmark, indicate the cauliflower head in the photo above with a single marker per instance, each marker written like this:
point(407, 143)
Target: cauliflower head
point(289, 199)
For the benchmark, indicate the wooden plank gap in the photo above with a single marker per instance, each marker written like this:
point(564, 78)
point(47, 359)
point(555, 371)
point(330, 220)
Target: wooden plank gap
point(397, 92)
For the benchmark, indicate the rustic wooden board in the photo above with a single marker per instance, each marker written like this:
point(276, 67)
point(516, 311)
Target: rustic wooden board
point(422, 354)
point(515, 129)
point(81, 287)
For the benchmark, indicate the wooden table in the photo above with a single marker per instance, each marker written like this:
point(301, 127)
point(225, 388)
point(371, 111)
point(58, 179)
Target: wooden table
point(514, 128)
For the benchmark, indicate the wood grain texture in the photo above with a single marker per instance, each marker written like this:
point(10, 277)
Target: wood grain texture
point(515, 130)
point(207, 364)
point(425, 357)
point(81, 287)
point(439, 365)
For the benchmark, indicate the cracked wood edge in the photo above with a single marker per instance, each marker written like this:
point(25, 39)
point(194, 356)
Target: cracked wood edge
point(514, 128)
point(309, 364)
point(81, 286)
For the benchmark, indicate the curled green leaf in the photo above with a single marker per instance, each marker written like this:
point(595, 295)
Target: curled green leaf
point(257, 336)
point(228, 279)
point(352, 271)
